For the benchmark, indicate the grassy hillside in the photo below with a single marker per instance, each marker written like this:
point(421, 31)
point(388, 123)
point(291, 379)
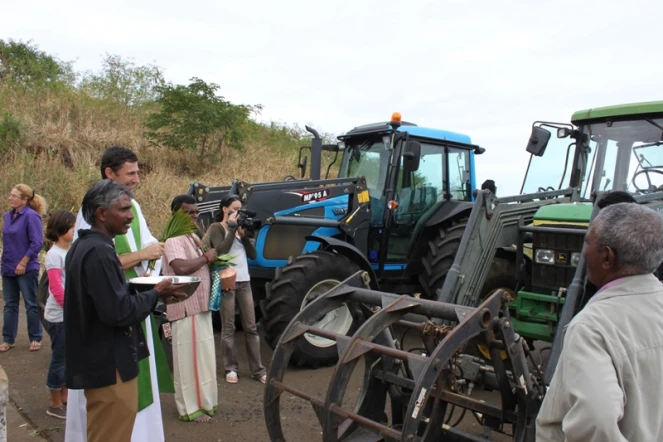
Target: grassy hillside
point(52, 136)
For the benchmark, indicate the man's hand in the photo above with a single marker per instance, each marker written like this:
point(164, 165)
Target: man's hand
point(211, 255)
point(20, 269)
point(153, 251)
point(169, 292)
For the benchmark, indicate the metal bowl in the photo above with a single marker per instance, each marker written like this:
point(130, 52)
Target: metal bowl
point(145, 283)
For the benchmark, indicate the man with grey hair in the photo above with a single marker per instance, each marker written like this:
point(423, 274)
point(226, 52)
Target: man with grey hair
point(607, 384)
point(103, 337)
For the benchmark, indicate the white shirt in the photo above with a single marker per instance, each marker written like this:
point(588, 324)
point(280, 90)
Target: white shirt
point(53, 312)
point(241, 265)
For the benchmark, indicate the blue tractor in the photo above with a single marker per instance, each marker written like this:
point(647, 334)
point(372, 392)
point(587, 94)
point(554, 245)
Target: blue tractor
point(397, 210)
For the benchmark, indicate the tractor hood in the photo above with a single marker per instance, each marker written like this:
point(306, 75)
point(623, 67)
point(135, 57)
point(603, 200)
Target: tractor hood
point(564, 213)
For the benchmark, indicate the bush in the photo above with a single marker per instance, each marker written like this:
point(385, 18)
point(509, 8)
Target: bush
point(10, 133)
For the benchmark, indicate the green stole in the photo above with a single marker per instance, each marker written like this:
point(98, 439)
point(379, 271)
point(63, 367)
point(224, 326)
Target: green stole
point(164, 379)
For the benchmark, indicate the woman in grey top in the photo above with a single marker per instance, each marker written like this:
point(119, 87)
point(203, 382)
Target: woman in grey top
point(227, 237)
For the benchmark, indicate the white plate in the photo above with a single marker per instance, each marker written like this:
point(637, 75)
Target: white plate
point(153, 280)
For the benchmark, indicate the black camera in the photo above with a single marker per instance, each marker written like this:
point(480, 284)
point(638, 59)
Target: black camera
point(246, 220)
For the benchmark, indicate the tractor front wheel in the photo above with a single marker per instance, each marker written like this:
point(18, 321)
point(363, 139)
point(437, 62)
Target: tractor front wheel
point(300, 282)
point(440, 256)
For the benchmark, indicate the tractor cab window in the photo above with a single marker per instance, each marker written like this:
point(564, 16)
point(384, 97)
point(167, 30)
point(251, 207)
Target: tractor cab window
point(418, 191)
point(459, 174)
point(370, 159)
point(625, 155)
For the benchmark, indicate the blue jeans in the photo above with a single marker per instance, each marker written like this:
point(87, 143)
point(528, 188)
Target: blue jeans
point(12, 287)
point(55, 378)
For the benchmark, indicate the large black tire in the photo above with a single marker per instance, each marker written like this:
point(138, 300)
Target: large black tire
point(442, 250)
point(312, 273)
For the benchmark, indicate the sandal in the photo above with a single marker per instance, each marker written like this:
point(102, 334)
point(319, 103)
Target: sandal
point(35, 345)
point(263, 379)
point(231, 377)
point(5, 346)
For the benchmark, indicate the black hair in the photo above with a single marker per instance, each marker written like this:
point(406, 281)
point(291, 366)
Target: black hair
point(615, 197)
point(177, 202)
point(115, 157)
point(490, 185)
point(59, 223)
point(103, 194)
point(226, 201)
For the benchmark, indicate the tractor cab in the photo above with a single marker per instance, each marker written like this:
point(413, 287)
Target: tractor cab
point(410, 172)
point(599, 152)
point(616, 148)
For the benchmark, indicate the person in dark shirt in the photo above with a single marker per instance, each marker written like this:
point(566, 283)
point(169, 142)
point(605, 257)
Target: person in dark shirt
point(489, 185)
point(615, 197)
point(103, 337)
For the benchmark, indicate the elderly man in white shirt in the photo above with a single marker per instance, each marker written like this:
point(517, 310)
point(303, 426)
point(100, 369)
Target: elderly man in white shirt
point(607, 385)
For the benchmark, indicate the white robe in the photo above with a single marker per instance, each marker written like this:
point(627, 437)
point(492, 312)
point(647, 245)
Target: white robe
point(149, 422)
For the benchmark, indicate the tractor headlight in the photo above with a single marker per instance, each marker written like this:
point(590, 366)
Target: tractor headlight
point(575, 258)
point(544, 256)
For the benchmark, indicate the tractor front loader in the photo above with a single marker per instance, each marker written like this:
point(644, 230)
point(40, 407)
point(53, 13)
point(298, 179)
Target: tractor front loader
point(415, 396)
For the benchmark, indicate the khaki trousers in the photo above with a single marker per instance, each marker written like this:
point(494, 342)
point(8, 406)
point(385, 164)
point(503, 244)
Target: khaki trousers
point(244, 298)
point(111, 411)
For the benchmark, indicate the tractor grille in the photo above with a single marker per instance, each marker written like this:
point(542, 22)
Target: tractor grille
point(547, 278)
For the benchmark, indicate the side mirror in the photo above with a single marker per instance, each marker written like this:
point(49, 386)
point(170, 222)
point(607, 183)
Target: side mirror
point(538, 141)
point(411, 156)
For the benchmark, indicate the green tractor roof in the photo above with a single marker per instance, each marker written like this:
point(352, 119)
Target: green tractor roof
point(569, 212)
point(620, 110)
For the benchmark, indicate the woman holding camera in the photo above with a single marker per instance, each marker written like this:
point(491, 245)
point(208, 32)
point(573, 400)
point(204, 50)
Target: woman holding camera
point(226, 236)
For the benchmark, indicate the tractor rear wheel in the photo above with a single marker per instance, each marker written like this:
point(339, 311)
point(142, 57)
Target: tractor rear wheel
point(440, 256)
point(300, 282)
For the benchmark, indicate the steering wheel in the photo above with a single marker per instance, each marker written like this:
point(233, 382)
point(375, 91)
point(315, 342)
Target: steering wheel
point(651, 188)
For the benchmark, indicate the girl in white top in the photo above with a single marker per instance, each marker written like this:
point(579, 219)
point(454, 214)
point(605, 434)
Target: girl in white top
point(60, 231)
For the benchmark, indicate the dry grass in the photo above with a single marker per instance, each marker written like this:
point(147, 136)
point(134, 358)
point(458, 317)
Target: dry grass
point(64, 132)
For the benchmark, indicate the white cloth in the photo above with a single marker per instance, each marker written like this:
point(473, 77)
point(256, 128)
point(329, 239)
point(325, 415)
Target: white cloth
point(194, 366)
point(241, 264)
point(607, 385)
point(149, 422)
point(55, 257)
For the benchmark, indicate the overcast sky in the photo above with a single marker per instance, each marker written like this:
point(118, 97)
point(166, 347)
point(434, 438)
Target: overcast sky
point(484, 67)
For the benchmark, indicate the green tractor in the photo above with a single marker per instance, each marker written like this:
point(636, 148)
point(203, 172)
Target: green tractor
point(615, 148)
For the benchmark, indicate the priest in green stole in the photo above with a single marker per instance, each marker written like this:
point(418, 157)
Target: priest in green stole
point(135, 249)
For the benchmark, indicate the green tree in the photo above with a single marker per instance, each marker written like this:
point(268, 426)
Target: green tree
point(123, 82)
point(24, 64)
point(195, 117)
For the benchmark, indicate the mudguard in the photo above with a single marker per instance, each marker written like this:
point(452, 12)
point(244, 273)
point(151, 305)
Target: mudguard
point(350, 252)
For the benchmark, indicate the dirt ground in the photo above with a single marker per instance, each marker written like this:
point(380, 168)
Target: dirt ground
point(239, 418)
